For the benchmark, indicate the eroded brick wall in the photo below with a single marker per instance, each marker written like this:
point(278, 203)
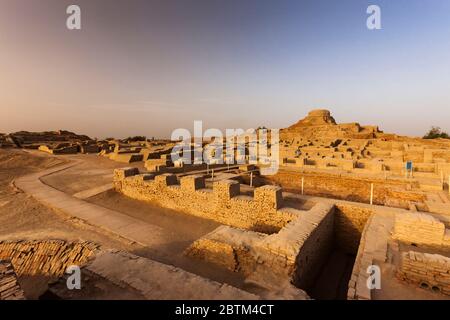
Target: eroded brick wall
point(299, 250)
point(421, 229)
point(9, 287)
point(223, 203)
point(345, 188)
point(429, 271)
point(293, 255)
point(49, 257)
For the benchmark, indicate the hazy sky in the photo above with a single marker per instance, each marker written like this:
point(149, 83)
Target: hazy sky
point(148, 67)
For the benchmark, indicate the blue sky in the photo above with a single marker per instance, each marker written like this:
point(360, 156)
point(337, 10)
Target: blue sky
point(148, 67)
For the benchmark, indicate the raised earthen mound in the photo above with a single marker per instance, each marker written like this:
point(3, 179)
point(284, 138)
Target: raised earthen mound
point(320, 124)
point(318, 117)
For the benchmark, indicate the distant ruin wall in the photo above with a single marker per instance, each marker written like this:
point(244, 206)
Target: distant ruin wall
point(47, 257)
point(429, 271)
point(223, 203)
point(344, 188)
point(59, 151)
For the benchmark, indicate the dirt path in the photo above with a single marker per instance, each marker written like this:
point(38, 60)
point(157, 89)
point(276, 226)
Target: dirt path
point(22, 217)
point(161, 234)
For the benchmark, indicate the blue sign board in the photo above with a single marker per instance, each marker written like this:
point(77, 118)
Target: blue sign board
point(409, 165)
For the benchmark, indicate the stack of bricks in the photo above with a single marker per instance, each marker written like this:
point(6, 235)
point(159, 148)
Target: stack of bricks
point(48, 258)
point(420, 229)
point(9, 287)
point(431, 271)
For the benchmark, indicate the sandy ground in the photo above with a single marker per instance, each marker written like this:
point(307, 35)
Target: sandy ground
point(22, 217)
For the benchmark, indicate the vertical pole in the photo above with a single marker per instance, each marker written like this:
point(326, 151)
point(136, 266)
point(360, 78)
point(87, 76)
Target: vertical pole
point(303, 185)
point(212, 174)
point(371, 193)
point(251, 179)
point(207, 168)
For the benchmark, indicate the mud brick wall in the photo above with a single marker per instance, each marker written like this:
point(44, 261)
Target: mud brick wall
point(420, 229)
point(9, 287)
point(223, 203)
point(373, 247)
point(229, 248)
point(349, 224)
point(293, 255)
point(344, 187)
point(89, 148)
point(49, 258)
point(429, 271)
point(299, 249)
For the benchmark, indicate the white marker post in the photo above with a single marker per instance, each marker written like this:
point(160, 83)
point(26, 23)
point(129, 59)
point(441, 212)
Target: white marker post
point(251, 179)
point(371, 193)
point(212, 174)
point(303, 185)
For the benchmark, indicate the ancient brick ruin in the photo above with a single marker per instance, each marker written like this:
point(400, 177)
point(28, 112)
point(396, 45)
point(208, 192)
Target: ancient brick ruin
point(346, 200)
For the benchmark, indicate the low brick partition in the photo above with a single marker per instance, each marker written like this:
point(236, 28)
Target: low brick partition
point(222, 203)
point(9, 287)
point(48, 257)
point(59, 150)
point(228, 247)
point(346, 186)
point(293, 255)
point(421, 229)
point(372, 249)
point(429, 271)
point(126, 157)
point(300, 249)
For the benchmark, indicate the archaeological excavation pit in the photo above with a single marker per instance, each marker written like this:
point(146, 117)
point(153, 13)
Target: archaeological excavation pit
point(276, 242)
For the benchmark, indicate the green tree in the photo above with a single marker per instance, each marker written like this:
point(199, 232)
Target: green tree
point(435, 133)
